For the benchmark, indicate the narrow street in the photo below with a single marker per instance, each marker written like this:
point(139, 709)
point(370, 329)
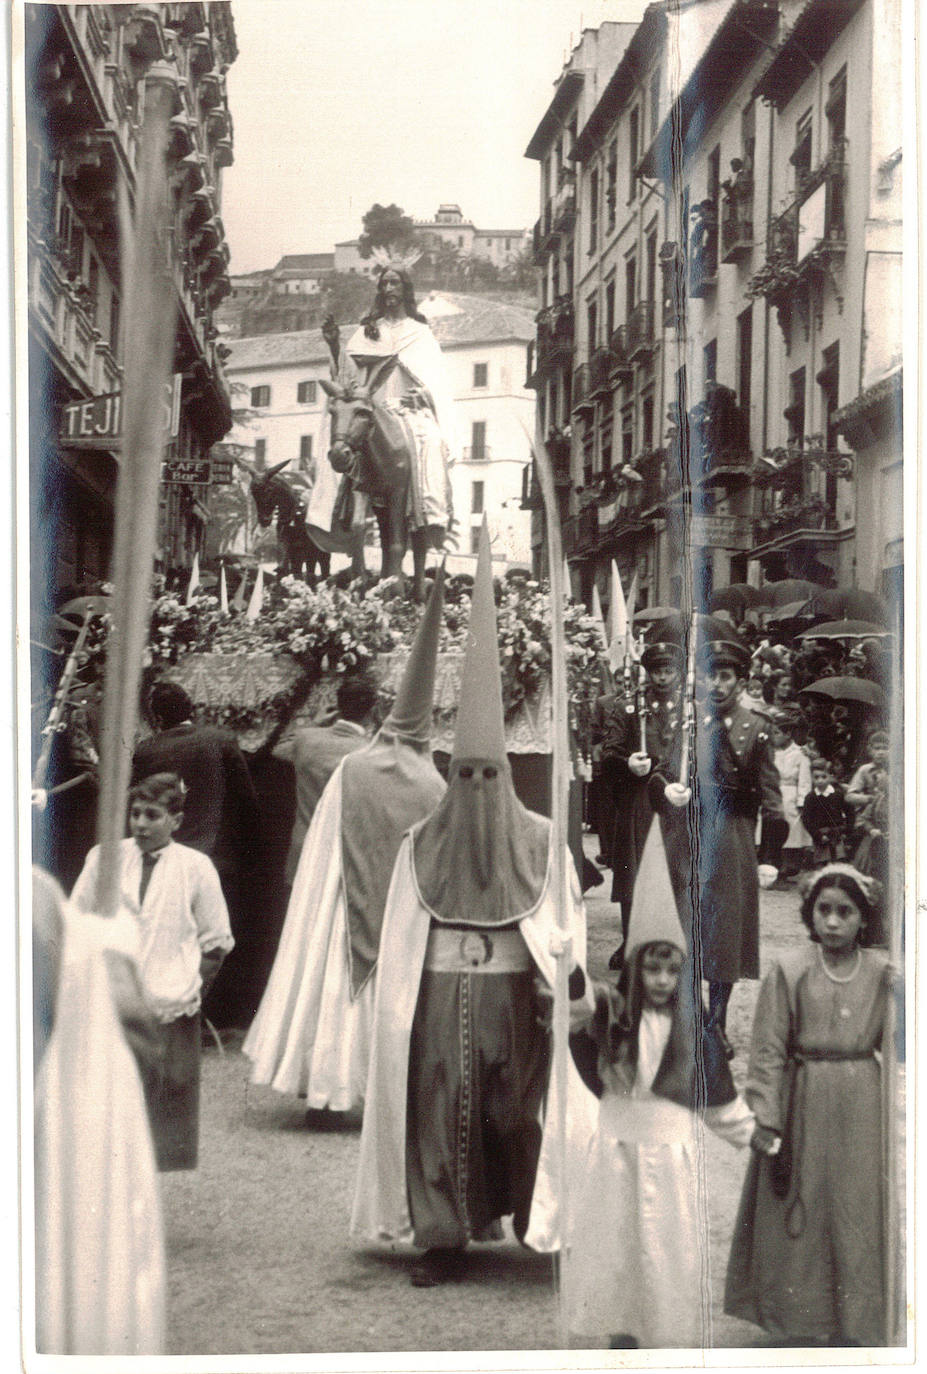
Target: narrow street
point(259, 1255)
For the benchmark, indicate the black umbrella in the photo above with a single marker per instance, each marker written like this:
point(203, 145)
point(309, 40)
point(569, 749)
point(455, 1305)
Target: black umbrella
point(849, 602)
point(848, 689)
point(845, 629)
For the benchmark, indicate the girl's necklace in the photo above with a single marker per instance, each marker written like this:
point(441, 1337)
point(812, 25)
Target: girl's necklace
point(833, 976)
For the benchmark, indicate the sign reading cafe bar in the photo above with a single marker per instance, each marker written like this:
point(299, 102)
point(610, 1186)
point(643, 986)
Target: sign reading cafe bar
point(97, 423)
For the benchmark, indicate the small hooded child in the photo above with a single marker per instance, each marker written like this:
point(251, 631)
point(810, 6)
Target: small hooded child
point(639, 1226)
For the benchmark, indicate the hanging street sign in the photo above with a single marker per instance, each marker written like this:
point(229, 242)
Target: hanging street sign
point(189, 471)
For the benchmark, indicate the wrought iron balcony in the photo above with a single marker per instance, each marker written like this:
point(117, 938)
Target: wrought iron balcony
point(564, 207)
point(619, 361)
point(639, 330)
point(703, 254)
point(582, 398)
point(477, 453)
point(737, 222)
point(600, 372)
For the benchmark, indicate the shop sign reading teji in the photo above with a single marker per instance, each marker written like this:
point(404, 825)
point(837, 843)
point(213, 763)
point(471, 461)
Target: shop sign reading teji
point(195, 471)
point(97, 422)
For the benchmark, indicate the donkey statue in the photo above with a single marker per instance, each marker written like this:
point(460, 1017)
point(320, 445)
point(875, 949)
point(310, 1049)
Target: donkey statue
point(273, 495)
point(375, 450)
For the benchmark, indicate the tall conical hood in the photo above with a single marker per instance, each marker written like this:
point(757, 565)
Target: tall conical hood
point(654, 916)
point(480, 732)
point(411, 712)
point(617, 621)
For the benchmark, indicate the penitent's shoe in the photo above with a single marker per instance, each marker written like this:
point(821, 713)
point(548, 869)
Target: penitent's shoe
point(437, 1266)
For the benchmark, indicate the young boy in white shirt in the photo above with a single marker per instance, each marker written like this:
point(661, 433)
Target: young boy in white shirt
point(183, 936)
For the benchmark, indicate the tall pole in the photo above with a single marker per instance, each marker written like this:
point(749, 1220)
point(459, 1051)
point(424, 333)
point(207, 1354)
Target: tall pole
point(894, 916)
point(148, 347)
point(560, 790)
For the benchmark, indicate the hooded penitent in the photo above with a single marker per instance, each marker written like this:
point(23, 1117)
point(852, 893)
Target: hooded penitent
point(385, 788)
point(481, 858)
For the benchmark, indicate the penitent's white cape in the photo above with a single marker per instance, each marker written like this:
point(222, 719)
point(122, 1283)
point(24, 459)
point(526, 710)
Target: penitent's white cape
point(309, 1037)
point(381, 1208)
point(99, 1251)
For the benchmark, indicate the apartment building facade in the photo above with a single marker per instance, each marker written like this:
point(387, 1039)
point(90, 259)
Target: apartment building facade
point(734, 409)
point(88, 69)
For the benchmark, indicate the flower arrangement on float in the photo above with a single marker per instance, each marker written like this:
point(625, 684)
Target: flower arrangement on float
point(257, 672)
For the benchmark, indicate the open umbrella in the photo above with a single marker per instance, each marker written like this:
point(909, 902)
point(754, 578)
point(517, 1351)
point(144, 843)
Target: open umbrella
point(650, 613)
point(848, 689)
point(792, 610)
point(737, 598)
point(845, 629)
point(850, 602)
point(791, 589)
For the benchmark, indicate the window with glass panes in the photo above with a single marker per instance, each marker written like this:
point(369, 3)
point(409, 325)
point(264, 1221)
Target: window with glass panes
point(260, 396)
point(306, 393)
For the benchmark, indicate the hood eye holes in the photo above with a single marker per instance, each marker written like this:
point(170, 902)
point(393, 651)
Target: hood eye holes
point(490, 772)
point(466, 771)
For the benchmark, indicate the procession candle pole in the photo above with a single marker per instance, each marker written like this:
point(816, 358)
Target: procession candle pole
point(148, 344)
point(560, 788)
point(641, 699)
point(61, 696)
point(688, 707)
point(894, 909)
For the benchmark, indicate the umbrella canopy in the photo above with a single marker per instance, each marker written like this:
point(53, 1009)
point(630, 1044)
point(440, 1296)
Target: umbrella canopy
point(845, 629)
point(792, 610)
point(790, 589)
point(849, 602)
point(738, 597)
point(649, 613)
point(848, 689)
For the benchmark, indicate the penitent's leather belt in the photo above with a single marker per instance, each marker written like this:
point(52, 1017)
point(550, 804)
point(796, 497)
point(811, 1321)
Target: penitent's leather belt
point(452, 950)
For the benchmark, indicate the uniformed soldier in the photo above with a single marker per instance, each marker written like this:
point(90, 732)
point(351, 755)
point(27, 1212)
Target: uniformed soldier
point(658, 705)
point(711, 847)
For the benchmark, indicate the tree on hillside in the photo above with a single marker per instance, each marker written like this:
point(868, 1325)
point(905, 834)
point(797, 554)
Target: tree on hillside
point(386, 226)
point(520, 273)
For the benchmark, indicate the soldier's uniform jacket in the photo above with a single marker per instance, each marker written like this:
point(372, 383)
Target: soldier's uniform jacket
point(735, 766)
point(623, 730)
point(734, 778)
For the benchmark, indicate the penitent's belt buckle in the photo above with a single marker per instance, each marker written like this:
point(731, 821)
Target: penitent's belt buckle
point(475, 948)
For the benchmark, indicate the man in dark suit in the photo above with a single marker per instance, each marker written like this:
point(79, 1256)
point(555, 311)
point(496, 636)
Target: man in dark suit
point(316, 750)
point(221, 819)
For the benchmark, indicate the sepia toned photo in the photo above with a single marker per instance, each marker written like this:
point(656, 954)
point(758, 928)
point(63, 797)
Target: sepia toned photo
point(467, 778)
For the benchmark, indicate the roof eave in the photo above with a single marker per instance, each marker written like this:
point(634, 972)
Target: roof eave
point(651, 30)
point(716, 71)
point(815, 30)
point(569, 86)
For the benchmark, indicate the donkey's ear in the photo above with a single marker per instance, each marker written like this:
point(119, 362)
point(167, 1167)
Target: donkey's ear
point(331, 389)
point(277, 467)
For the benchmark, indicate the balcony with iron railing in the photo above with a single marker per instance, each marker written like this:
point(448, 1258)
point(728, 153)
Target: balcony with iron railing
point(477, 453)
point(582, 398)
point(703, 251)
point(600, 372)
point(807, 235)
point(619, 361)
point(564, 208)
point(639, 330)
point(737, 221)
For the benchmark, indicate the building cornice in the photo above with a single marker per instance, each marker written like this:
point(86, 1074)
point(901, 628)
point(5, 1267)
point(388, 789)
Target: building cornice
point(647, 36)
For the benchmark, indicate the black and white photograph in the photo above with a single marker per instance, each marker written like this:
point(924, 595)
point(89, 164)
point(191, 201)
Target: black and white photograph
point(465, 682)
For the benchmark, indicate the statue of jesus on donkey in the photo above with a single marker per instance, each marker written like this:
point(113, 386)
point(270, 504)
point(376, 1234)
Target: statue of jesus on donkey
point(391, 423)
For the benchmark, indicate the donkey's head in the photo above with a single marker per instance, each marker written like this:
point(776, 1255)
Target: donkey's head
point(266, 490)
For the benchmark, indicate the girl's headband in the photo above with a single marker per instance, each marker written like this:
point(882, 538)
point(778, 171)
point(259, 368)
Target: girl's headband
point(871, 888)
